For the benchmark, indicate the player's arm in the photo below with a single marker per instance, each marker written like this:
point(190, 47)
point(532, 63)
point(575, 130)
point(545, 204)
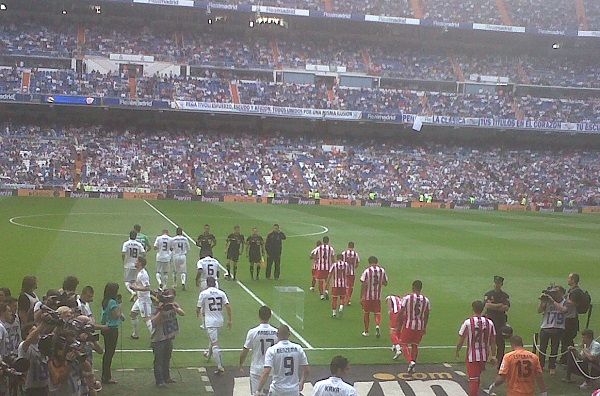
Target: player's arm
point(229, 316)
point(227, 243)
point(460, 343)
point(262, 247)
point(199, 307)
point(539, 378)
point(198, 241)
point(213, 241)
point(425, 321)
point(198, 276)
point(500, 379)
point(243, 356)
point(493, 348)
point(263, 380)
point(304, 376)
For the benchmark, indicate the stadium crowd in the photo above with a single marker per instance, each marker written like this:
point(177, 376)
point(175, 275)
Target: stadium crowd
point(211, 50)
point(233, 163)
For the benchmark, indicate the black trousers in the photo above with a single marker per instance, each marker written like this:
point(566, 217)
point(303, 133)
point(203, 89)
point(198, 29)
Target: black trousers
point(273, 259)
point(110, 345)
point(553, 336)
point(568, 337)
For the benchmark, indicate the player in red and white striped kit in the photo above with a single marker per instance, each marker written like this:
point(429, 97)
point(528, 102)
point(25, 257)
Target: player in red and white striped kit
point(338, 273)
point(415, 315)
point(324, 257)
point(352, 258)
point(315, 265)
point(394, 304)
point(373, 279)
point(480, 334)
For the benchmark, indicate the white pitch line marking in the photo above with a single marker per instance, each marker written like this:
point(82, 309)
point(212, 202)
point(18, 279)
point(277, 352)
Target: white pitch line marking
point(204, 378)
point(460, 373)
point(254, 296)
point(448, 365)
point(209, 388)
point(13, 220)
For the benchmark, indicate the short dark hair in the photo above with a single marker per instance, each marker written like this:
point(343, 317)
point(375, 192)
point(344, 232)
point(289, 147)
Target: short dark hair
point(478, 306)
point(70, 283)
point(417, 285)
point(516, 340)
point(325, 239)
point(350, 245)
point(137, 227)
point(275, 225)
point(211, 281)
point(6, 291)
point(207, 225)
point(142, 261)
point(179, 231)
point(575, 277)
point(87, 290)
point(28, 282)
point(588, 333)
point(264, 313)
point(373, 260)
point(283, 332)
point(338, 363)
point(133, 234)
point(339, 256)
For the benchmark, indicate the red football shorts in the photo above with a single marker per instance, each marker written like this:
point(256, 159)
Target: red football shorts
point(410, 336)
point(314, 273)
point(394, 320)
point(351, 279)
point(338, 291)
point(474, 369)
point(371, 306)
point(321, 274)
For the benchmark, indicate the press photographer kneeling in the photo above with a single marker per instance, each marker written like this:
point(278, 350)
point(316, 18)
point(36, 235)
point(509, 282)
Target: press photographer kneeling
point(164, 329)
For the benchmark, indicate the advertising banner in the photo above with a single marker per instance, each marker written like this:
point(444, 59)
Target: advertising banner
point(39, 193)
point(239, 198)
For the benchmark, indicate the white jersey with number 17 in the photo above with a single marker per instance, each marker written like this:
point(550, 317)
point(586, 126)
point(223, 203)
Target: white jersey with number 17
point(258, 340)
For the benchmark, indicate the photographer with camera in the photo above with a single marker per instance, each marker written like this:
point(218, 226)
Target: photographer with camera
point(36, 377)
point(89, 340)
point(553, 306)
point(112, 318)
point(66, 359)
point(164, 330)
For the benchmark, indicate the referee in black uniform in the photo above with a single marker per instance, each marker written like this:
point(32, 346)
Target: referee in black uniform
point(497, 302)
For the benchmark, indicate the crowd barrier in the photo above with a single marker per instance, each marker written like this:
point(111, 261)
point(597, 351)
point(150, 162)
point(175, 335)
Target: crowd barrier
point(184, 196)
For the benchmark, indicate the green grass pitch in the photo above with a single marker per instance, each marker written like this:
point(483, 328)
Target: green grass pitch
point(455, 254)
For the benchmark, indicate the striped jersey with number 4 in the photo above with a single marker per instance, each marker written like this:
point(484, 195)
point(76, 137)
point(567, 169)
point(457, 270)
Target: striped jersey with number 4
point(415, 305)
point(211, 302)
point(339, 272)
point(479, 331)
point(132, 249)
point(285, 359)
point(258, 340)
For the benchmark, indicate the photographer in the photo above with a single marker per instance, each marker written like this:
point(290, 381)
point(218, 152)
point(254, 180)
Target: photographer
point(65, 364)
point(36, 378)
point(553, 306)
point(164, 329)
point(589, 355)
point(89, 340)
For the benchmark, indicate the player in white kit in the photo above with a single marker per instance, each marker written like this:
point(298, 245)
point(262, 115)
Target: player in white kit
point(130, 252)
point(180, 246)
point(163, 258)
point(143, 305)
point(287, 363)
point(335, 385)
point(207, 267)
point(258, 340)
point(210, 305)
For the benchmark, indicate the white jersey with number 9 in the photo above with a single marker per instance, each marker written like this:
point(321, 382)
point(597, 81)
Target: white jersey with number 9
point(285, 359)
